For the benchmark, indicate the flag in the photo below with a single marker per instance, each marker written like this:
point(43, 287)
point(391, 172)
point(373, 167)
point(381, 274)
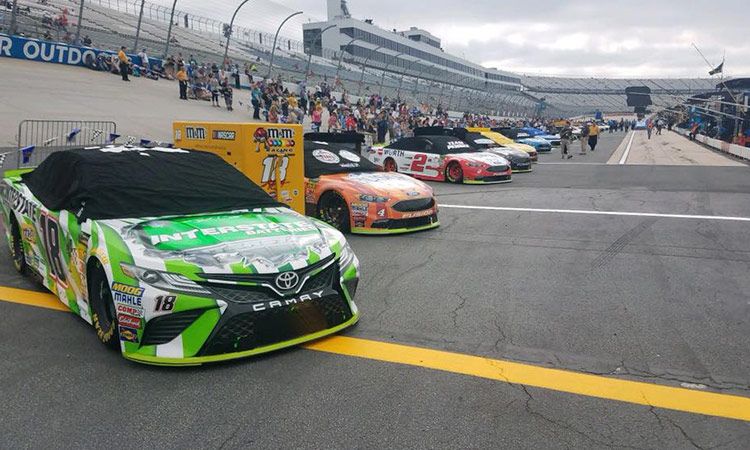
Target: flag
point(49, 141)
point(145, 142)
point(95, 134)
point(26, 153)
point(112, 138)
point(718, 69)
point(73, 133)
point(131, 140)
point(2, 158)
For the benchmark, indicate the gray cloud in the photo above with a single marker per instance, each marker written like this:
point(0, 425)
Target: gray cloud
point(636, 38)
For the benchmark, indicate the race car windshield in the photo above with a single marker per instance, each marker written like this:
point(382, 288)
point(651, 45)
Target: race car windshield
point(328, 158)
point(119, 182)
point(448, 145)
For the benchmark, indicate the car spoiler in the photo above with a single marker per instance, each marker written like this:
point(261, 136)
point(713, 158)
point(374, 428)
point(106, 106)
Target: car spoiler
point(338, 138)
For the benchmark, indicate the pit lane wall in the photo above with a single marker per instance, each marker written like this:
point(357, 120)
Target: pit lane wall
point(724, 147)
point(54, 52)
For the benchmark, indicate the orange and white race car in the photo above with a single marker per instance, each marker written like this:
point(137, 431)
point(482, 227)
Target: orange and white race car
point(349, 192)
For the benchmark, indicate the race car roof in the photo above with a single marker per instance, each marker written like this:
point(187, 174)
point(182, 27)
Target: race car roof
point(478, 140)
point(125, 182)
point(339, 153)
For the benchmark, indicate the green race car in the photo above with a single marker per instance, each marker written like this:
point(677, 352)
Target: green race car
point(174, 256)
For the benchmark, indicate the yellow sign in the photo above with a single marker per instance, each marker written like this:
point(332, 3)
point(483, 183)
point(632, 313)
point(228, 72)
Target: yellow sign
point(271, 155)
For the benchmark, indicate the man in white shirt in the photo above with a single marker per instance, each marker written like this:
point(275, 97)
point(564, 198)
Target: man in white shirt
point(144, 59)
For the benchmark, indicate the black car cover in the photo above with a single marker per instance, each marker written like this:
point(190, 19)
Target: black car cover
point(118, 183)
point(329, 153)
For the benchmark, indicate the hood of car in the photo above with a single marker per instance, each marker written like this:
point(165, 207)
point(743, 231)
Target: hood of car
point(533, 141)
point(511, 154)
point(259, 241)
point(482, 157)
point(383, 184)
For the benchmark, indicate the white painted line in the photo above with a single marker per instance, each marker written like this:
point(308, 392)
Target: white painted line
point(627, 149)
point(600, 213)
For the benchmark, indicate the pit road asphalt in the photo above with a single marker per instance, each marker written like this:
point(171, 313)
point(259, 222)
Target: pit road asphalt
point(658, 300)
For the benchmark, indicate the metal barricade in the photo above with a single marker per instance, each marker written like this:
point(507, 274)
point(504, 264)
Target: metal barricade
point(48, 136)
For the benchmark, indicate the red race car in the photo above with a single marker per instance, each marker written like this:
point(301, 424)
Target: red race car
point(349, 192)
point(433, 154)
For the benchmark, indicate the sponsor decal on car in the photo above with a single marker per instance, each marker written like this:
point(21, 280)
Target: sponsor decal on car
point(129, 310)
point(129, 321)
point(359, 208)
point(452, 145)
point(127, 295)
point(196, 133)
point(255, 229)
point(326, 156)
point(411, 215)
point(128, 334)
point(350, 156)
point(224, 135)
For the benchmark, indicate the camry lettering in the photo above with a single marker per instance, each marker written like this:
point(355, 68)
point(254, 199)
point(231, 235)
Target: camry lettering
point(290, 301)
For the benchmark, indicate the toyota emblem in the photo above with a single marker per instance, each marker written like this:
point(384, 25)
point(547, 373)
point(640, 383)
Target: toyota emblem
point(287, 280)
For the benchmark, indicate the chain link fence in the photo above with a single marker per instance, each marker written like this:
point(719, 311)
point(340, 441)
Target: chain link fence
point(108, 24)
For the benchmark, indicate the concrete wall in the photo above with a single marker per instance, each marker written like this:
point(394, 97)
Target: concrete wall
point(725, 147)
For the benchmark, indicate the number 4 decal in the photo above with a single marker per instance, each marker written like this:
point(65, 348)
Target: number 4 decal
point(418, 162)
point(51, 237)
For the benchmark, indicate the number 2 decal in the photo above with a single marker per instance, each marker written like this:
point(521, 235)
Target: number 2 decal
point(51, 237)
point(418, 162)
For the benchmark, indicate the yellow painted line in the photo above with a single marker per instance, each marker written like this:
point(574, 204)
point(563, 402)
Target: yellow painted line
point(31, 298)
point(661, 396)
point(649, 394)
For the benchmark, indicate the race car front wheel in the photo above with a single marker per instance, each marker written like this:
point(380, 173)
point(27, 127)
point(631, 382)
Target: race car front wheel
point(16, 248)
point(454, 173)
point(103, 315)
point(332, 209)
point(390, 165)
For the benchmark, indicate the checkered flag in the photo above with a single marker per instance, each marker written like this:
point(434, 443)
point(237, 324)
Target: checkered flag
point(48, 141)
point(2, 158)
point(95, 135)
point(131, 140)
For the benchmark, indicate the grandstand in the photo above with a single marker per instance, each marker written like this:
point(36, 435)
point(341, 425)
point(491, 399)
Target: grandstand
point(408, 64)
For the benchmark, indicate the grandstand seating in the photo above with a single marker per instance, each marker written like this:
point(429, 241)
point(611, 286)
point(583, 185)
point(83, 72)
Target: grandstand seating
point(112, 23)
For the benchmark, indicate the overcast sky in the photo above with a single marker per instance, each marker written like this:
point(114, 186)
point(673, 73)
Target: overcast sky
point(550, 37)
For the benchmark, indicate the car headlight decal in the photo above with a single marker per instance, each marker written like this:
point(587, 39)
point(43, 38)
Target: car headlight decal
point(167, 281)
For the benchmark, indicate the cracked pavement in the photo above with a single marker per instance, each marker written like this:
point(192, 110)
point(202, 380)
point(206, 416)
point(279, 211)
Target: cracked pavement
point(660, 301)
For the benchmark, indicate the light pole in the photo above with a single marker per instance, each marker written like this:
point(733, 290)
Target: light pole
point(276, 36)
point(169, 30)
point(362, 77)
point(138, 28)
point(229, 31)
point(382, 77)
point(309, 56)
point(341, 56)
point(80, 18)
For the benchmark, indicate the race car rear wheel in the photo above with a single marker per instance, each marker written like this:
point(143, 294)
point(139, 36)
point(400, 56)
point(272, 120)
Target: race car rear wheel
point(390, 165)
point(332, 209)
point(103, 315)
point(454, 173)
point(16, 248)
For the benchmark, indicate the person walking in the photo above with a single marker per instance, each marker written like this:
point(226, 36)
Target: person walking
point(215, 86)
point(124, 63)
point(584, 137)
point(593, 135)
point(649, 127)
point(182, 78)
point(566, 138)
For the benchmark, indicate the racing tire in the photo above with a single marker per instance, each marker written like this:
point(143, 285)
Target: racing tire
point(103, 315)
point(16, 248)
point(332, 209)
point(454, 173)
point(389, 165)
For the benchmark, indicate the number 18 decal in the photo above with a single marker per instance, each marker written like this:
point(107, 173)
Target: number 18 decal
point(269, 168)
point(51, 238)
